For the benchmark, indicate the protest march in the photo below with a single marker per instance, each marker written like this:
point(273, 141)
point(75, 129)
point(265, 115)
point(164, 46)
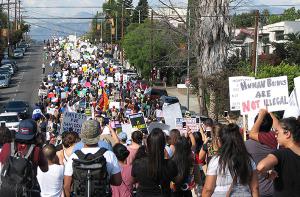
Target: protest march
point(98, 131)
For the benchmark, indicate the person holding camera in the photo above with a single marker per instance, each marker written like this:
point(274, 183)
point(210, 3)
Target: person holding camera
point(210, 134)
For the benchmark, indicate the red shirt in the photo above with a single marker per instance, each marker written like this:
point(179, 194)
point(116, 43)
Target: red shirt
point(38, 156)
point(268, 138)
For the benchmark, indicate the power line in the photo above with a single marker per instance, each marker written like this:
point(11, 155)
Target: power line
point(183, 7)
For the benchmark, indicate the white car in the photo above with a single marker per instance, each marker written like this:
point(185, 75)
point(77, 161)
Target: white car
point(18, 53)
point(8, 67)
point(11, 120)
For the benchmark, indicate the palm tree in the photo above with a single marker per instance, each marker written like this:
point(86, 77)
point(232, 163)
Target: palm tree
point(211, 37)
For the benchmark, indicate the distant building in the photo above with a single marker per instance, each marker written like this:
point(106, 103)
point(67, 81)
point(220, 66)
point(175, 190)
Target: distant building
point(176, 16)
point(274, 33)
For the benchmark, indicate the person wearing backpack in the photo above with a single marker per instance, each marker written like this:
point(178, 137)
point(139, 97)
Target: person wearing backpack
point(91, 169)
point(20, 160)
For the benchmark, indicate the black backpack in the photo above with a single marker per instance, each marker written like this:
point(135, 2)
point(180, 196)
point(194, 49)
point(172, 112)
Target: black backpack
point(90, 177)
point(17, 174)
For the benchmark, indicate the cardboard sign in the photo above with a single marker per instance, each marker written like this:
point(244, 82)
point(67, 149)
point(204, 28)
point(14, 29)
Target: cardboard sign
point(138, 121)
point(74, 80)
point(116, 104)
point(42, 92)
point(260, 93)
point(170, 113)
point(110, 80)
point(235, 90)
point(50, 110)
point(293, 109)
point(127, 128)
point(73, 121)
point(192, 123)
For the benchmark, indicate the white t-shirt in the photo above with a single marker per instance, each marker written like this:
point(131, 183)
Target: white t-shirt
point(51, 182)
point(223, 181)
point(112, 164)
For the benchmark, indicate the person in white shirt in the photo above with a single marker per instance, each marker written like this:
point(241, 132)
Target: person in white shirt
point(51, 182)
point(90, 136)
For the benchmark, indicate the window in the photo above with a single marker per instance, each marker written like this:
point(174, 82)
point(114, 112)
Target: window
point(279, 35)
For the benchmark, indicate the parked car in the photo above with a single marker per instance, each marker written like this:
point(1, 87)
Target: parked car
point(168, 100)
point(11, 120)
point(8, 67)
point(155, 93)
point(23, 47)
point(4, 81)
point(18, 53)
point(12, 62)
point(21, 107)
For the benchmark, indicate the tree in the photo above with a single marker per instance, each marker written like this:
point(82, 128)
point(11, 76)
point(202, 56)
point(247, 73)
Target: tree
point(211, 37)
point(243, 20)
point(137, 47)
point(141, 11)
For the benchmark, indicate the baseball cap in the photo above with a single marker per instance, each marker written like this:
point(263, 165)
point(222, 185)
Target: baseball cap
point(90, 132)
point(27, 130)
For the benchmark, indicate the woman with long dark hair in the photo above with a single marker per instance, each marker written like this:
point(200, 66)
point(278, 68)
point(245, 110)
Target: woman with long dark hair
point(183, 158)
point(153, 173)
point(232, 171)
point(285, 161)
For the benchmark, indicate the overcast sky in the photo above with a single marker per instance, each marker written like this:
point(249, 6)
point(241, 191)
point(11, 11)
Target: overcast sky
point(49, 12)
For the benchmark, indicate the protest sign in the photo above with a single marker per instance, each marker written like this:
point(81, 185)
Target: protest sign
point(293, 108)
point(116, 104)
point(42, 92)
point(127, 128)
point(297, 88)
point(73, 121)
point(110, 80)
point(50, 110)
point(138, 121)
point(170, 113)
point(235, 90)
point(192, 123)
point(74, 80)
point(260, 93)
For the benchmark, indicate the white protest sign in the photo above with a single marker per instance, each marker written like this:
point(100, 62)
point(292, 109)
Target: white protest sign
point(293, 109)
point(260, 93)
point(110, 80)
point(42, 92)
point(50, 110)
point(234, 91)
point(74, 80)
point(73, 121)
point(171, 112)
point(114, 104)
point(297, 88)
point(127, 128)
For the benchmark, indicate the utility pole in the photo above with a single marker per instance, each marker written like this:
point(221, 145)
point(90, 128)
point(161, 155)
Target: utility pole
point(102, 32)
point(151, 39)
point(188, 59)
point(139, 16)
point(8, 28)
point(122, 29)
point(16, 25)
point(255, 54)
point(20, 13)
point(96, 26)
point(116, 26)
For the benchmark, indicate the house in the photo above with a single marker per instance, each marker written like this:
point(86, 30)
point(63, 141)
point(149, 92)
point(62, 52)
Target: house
point(274, 33)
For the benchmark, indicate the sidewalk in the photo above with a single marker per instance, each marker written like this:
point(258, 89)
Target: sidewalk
point(194, 105)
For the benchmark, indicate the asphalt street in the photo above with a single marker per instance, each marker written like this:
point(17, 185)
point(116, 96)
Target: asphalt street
point(25, 83)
